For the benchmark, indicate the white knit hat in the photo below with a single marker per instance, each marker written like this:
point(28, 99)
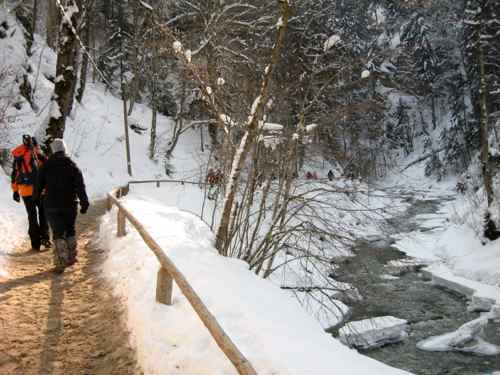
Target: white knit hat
point(58, 145)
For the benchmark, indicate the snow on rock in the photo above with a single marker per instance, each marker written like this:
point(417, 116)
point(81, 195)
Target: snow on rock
point(188, 55)
point(374, 332)
point(469, 338)
point(365, 74)
point(268, 325)
point(177, 46)
point(221, 81)
point(311, 127)
point(389, 277)
point(330, 42)
point(268, 126)
point(403, 266)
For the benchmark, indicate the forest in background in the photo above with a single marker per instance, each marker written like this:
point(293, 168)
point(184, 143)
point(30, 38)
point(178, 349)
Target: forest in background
point(366, 86)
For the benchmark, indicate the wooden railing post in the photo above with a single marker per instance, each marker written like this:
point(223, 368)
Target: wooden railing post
point(121, 231)
point(164, 286)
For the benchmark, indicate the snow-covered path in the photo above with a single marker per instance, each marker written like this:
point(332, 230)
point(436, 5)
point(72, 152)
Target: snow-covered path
point(62, 324)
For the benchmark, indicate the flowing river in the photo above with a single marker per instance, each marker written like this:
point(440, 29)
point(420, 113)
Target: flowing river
point(430, 310)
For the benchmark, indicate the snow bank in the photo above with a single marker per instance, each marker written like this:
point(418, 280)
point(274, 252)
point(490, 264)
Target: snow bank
point(13, 223)
point(269, 326)
point(456, 255)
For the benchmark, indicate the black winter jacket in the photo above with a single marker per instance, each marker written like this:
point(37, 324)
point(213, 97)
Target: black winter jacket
point(62, 182)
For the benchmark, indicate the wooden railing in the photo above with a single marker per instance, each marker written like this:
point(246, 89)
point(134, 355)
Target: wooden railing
point(167, 274)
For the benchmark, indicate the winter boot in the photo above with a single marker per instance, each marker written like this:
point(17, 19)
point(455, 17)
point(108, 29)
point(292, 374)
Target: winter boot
point(71, 241)
point(46, 243)
point(60, 255)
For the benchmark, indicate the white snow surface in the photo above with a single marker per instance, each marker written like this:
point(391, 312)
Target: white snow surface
point(268, 325)
point(13, 223)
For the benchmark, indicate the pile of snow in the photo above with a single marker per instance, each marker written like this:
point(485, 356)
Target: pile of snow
point(13, 223)
point(266, 323)
point(374, 332)
point(469, 338)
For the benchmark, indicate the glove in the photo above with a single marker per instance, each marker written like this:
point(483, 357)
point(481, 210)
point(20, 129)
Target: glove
point(16, 197)
point(85, 207)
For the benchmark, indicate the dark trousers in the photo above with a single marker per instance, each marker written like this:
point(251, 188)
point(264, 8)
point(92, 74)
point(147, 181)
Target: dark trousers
point(38, 228)
point(62, 222)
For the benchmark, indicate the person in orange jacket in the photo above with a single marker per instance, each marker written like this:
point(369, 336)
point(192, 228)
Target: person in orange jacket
point(28, 158)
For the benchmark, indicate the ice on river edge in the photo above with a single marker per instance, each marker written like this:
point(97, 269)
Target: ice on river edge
point(374, 332)
point(472, 337)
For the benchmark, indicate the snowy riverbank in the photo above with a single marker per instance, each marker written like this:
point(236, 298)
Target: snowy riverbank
point(268, 325)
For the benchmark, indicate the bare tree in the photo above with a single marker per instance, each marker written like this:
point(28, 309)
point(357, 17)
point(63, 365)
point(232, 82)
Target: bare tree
point(65, 82)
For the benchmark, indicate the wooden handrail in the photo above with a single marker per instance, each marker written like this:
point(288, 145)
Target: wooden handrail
point(159, 181)
point(169, 272)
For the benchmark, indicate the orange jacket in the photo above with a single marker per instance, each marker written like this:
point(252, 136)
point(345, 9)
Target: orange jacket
point(25, 168)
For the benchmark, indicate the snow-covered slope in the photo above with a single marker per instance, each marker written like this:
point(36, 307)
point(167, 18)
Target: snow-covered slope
point(13, 223)
point(94, 132)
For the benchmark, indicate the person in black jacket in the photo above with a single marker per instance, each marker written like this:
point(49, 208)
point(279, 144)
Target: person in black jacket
point(62, 183)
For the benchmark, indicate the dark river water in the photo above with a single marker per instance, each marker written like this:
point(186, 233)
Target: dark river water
point(430, 310)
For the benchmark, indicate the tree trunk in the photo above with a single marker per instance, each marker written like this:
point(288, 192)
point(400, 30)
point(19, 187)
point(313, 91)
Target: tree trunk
point(433, 108)
point(85, 57)
point(152, 144)
point(62, 100)
point(53, 19)
point(154, 88)
point(484, 128)
point(35, 15)
point(125, 114)
point(127, 140)
point(212, 78)
point(135, 85)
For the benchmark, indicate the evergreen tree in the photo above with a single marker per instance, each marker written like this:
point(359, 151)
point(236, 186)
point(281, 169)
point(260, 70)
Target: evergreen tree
point(400, 131)
point(461, 139)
